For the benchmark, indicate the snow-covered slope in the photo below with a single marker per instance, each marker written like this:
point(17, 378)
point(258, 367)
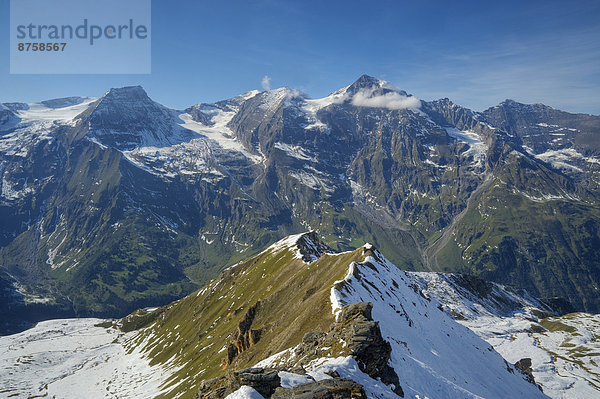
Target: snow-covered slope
point(75, 358)
point(432, 355)
point(34, 123)
point(59, 110)
point(200, 143)
point(563, 350)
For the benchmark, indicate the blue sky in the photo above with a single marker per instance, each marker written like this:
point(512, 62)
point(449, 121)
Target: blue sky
point(476, 53)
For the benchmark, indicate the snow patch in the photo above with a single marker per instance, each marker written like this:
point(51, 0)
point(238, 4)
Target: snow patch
point(477, 148)
point(219, 133)
point(414, 325)
point(295, 151)
point(289, 380)
point(72, 358)
point(245, 392)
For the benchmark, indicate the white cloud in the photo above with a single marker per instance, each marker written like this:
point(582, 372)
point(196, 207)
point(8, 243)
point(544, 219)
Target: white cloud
point(266, 82)
point(365, 98)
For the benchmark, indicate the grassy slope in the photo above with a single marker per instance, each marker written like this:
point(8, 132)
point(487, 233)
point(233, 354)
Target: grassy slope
point(294, 300)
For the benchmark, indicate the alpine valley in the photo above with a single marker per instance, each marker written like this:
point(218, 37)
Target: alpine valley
point(485, 232)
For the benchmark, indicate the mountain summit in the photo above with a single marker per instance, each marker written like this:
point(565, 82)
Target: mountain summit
point(126, 118)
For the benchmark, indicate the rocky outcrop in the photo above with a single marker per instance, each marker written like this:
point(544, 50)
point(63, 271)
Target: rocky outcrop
point(355, 334)
point(363, 341)
point(244, 337)
point(264, 381)
point(267, 383)
point(335, 388)
point(311, 248)
point(524, 366)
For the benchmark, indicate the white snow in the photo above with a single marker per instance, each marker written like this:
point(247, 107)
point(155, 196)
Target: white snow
point(312, 180)
point(273, 98)
point(295, 151)
point(564, 362)
point(561, 158)
point(291, 242)
point(40, 112)
point(245, 392)
point(287, 243)
point(337, 97)
point(289, 380)
point(36, 124)
point(433, 355)
point(71, 358)
point(219, 133)
point(348, 368)
point(195, 156)
point(414, 325)
point(477, 148)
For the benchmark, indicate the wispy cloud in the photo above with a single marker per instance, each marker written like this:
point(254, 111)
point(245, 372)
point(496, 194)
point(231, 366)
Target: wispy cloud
point(392, 100)
point(266, 82)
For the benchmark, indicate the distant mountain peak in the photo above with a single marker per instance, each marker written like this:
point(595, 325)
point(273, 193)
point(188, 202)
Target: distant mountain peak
point(509, 102)
point(126, 118)
point(136, 93)
point(371, 92)
point(365, 82)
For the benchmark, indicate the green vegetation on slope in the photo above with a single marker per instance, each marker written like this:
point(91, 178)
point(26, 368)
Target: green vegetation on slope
point(292, 297)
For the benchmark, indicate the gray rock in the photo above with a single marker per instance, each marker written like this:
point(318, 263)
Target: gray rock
point(264, 381)
point(335, 388)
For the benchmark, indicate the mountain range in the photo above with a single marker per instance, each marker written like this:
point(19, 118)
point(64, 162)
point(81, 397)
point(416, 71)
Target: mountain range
point(116, 203)
point(301, 320)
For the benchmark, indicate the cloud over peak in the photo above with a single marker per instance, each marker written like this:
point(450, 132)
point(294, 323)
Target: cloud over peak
point(390, 100)
point(266, 82)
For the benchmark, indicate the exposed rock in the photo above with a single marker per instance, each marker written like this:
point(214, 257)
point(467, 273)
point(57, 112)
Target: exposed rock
point(366, 344)
point(311, 247)
point(560, 305)
point(363, 340)
point(335, 388)
point(476, 285)
point(264, 381)
point(524, 366)
point(244, 337)
point(355, 334)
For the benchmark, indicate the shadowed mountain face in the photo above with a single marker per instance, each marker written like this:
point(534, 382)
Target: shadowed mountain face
point(116, 203)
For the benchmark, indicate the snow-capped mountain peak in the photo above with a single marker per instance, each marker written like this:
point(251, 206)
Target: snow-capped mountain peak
point(126, 118)
point(127, 93)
